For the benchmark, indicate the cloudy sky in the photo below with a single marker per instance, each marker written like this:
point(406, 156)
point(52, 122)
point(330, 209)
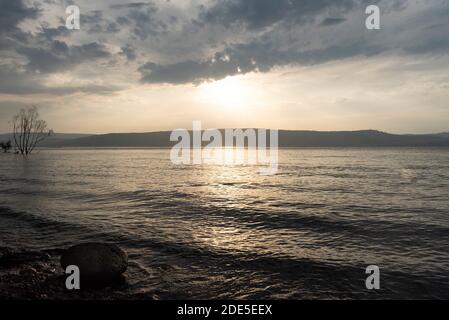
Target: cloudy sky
point(288, 64)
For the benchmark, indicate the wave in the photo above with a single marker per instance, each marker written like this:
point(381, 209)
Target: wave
point(274, 273)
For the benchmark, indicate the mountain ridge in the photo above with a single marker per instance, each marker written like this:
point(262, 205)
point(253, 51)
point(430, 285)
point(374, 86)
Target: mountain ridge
point(287, 139)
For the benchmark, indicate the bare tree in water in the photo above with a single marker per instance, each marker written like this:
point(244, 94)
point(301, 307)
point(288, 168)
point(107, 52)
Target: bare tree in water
point(29, 130)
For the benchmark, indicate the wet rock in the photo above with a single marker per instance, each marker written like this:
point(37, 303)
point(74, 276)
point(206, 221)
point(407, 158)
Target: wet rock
point(98, 262)
point(11, 259)
point(28, 272)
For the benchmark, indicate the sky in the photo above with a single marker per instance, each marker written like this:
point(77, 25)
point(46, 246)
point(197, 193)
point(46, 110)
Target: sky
point(286, 64)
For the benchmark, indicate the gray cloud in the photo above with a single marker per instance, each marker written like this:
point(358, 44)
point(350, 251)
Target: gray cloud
point(136, 5)
point(97, 23)
point(146, 23)
point(28, 58)
point(14, 12)
point(332, 21)
point(20, 82)
point(91, 17)
point(60, 56)
point(260, 56)
point(129, 52)
point(51, 33)
point(291, 38)
point(218, 38)
point(255, 14)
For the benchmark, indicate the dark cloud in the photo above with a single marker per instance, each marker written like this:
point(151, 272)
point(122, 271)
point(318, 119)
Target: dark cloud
point(97, 23)
point(123, 21)
point(129, 52)
point(60, 56)
point(437, 45)
point(13, 12)
point(142, 19)
point(112, 27)
point(92, 17)
point(257, 56)
point(145, 23)
point(332, 21)
point(185, 72)
point(285, 42)
point(215, 40)
point(136, 5)
point(51, 33)
point(255, 14)
point(43, 53)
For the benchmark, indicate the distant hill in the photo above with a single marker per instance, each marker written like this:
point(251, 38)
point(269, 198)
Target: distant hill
point(113, 140)
point(56, 139)
point(365, 138)
point(444, 134)
point(287, 139)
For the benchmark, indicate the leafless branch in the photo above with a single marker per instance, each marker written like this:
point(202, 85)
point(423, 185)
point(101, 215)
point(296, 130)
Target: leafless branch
point(28, 130)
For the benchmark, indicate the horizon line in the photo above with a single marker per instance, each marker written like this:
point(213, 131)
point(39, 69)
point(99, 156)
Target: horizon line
point(242, 128)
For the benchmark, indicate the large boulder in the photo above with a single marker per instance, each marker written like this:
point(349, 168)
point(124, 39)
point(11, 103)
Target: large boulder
point(96, 261)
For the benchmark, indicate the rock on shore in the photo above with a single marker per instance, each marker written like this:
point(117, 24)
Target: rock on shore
point(38, 275)
point(96, 261)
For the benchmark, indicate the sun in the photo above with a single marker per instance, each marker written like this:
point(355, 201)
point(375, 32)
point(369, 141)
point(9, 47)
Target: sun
point(231, 93)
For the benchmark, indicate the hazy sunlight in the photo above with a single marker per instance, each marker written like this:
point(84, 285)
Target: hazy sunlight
point(231, 92)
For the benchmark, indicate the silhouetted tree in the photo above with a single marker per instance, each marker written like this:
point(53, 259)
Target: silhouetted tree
point(28, 130)
point(6, 146)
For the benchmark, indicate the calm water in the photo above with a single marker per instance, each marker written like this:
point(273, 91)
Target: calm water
point(217, 231)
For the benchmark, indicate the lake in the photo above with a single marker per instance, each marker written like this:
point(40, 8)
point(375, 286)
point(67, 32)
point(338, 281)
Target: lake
point(223, 232)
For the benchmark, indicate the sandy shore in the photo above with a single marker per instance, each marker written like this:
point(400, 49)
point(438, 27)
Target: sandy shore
point(38, 275)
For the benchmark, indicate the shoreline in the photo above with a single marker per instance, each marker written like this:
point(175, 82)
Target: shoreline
point(38, 275)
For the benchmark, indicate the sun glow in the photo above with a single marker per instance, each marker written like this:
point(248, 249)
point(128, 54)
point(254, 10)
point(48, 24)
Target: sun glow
point(231, 92)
